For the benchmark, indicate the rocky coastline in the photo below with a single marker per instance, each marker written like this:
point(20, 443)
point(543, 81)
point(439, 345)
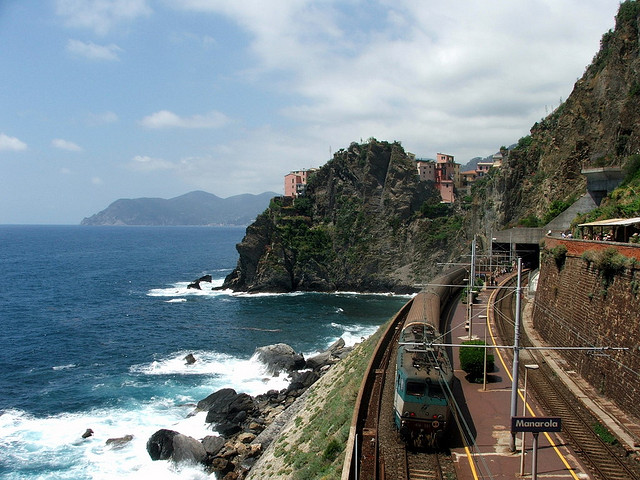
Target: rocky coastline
point(246, 425)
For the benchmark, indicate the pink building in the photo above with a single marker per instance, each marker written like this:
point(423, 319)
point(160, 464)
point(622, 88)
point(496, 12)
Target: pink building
point(295, 183)
point(444, 172)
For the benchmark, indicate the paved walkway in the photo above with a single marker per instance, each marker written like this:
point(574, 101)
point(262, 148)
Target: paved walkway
point(487, 417)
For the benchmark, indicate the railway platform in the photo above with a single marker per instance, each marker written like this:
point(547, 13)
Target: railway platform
point(483, 448)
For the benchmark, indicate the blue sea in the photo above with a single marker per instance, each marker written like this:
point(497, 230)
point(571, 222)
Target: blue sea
point(96, 322)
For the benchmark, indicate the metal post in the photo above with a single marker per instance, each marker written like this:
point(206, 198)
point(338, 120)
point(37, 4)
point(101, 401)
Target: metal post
point(472, 281)
point(484, 376)
point(516, 356)
point(534, 458)
point(532, 366)
point(490, 258)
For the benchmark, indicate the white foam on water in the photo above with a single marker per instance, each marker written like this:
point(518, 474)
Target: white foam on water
point(352, 334)
point(53, 447)
point(180, 289)
point(64, 367)
point(219, 371)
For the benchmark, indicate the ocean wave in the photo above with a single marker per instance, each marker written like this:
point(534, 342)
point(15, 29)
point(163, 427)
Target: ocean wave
point(64, 367)
point(219, 371)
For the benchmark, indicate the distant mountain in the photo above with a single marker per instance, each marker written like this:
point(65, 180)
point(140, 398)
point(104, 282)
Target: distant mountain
point(194, 208)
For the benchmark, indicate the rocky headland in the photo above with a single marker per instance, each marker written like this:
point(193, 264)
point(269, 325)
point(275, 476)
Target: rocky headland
point(366, 223)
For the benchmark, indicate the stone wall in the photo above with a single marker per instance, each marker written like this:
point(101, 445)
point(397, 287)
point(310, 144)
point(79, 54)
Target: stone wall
point(576, 305)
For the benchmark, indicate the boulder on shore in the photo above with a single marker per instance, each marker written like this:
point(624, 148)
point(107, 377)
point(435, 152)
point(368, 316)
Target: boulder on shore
point(280, 357)
point(187, 449)
point(332, 355)
point(160, 444)
point(171, 445)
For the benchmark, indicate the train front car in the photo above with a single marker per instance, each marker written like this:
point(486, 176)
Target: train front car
point(423, 378)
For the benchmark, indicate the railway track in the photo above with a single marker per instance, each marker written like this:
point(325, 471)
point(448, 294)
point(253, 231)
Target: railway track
point(422, 466)
point(604, 461)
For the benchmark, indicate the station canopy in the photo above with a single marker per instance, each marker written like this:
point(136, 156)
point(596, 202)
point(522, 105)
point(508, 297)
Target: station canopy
point(612, 222)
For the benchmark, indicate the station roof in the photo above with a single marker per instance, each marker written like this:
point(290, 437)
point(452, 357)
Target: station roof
point(612, 222)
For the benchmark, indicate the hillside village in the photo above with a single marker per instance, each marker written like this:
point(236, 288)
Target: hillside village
point(444, 172)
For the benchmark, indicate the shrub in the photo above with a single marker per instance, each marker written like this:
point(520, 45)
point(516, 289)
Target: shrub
point(333, 450)
point(604, 434)
point(472, 360)
point(608, 262)
point(524, 142)
point(530, 221)
point(559, 254)
point(555, 209)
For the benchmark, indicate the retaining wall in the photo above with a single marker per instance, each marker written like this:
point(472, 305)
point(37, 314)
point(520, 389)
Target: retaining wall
point(576, 305)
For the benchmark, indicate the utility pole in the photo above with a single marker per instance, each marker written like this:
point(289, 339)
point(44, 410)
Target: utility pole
point(472, 281)
point(516, 356)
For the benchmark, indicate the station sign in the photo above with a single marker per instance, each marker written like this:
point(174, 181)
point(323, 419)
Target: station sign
point(536, 424)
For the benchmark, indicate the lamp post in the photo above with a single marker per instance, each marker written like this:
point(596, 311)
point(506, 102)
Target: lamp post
point(533, 366)
point(484, 376)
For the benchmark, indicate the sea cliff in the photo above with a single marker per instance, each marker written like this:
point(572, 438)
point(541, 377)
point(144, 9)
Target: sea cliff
point(366, 223)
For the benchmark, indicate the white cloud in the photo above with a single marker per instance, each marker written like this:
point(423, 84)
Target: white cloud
point(92, 51)
point(65, 145)
point(100, 15)
point(11, 143)
point(167, 119)
point(473, 75)
point(230, 167)
point(96, 181)
point(143, 163)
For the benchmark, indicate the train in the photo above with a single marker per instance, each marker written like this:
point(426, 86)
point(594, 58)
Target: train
point(424, 374)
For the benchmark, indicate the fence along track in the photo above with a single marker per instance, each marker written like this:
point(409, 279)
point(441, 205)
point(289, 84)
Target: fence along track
point(558, 400)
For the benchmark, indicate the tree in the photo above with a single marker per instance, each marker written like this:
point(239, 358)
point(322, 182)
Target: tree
point(472, 360)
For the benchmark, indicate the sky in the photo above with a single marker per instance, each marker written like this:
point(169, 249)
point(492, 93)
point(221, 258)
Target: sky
point(109, 99)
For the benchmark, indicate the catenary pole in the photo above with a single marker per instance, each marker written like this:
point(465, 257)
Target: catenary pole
point(516, 356)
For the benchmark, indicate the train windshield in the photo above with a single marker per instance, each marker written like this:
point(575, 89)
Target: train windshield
point(435, 390)
point(417, 389)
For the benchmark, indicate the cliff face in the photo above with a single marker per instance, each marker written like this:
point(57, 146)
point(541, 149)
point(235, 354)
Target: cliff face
point(598, 125)
point(361, 226)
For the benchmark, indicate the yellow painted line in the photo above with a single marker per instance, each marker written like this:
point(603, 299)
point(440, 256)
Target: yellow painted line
point(472, 464)
point(506, 369)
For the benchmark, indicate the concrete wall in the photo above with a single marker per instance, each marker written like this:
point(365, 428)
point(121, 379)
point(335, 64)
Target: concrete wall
point(576, 306)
